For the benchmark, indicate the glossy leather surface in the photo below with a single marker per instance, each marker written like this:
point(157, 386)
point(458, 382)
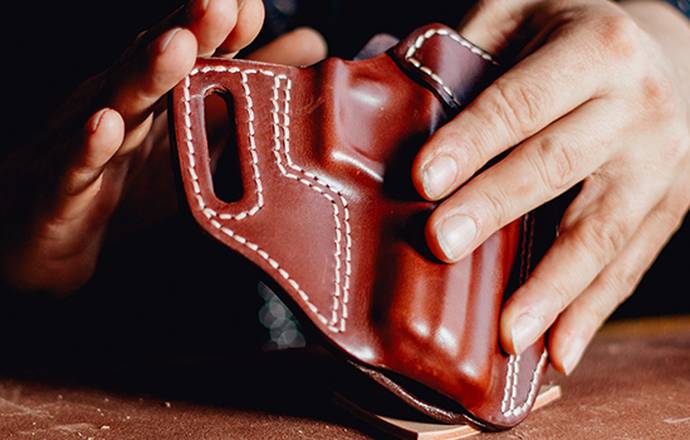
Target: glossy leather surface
point(329, 213)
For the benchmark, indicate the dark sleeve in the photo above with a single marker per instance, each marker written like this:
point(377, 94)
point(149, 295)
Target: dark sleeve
point(349, 24)
point(50, 48)
point(682, 5)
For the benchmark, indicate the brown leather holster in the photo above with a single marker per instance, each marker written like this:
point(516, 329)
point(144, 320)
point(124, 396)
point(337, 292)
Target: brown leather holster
point(328, 211)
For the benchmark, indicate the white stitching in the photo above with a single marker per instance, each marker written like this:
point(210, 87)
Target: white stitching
point(252, 149)
point(211, 214)
point(319, 186)
point(422, 39)
point(509, 370)
point(346, 213)
point(514, 381)
point(509, 374)
point(532, 393)
point(513, 364)
point(508, 403)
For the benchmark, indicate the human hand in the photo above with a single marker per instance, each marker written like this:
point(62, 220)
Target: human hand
point(599, 96)
point(108, 149)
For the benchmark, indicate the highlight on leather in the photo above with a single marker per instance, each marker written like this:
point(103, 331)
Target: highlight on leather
point(328, 212)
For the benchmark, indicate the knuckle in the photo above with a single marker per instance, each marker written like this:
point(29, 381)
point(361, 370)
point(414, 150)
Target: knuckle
point(604, 236)
point(619, 35)
point(659, 94)
point(563, 295)
point(496, 207)
point(517, 105)
point(474, 155)
point(556, 289)
point(669, 218)
point(51, 230)
point(595, 311)
point(621, 281)
point(677, 150)
point(467, 146)
point(555, 162)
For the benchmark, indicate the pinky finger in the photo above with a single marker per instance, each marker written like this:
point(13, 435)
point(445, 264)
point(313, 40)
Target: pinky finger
point(577, 325)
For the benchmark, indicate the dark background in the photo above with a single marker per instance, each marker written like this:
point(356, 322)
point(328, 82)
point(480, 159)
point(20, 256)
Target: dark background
point(170, 289)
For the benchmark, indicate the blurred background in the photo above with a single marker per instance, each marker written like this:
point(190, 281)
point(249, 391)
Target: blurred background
point(171, 290)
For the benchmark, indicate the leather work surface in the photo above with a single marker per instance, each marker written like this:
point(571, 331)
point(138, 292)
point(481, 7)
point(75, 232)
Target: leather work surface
point(328, 212)
point(633, 383)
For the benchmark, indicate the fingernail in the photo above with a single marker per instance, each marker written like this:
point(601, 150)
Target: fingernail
point(455, 235)
point(525, 330)
point(167, 38)
point(439, 175)
point(573, 354)
point(96, 122)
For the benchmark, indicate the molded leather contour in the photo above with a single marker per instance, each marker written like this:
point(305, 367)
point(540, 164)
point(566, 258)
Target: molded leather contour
point(329, 213)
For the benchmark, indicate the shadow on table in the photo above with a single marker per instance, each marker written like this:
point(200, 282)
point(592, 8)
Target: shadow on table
point(166, 319)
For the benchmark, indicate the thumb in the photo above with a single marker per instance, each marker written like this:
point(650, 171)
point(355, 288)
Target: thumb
point(496, 25)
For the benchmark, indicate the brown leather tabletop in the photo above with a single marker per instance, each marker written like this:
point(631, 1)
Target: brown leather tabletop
point(634, 383)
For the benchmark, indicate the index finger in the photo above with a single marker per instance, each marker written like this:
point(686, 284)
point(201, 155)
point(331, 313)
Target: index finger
point(548, 84)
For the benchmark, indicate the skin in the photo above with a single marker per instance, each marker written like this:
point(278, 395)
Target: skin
point(114, 161)
point(600, 96)
point(620, 127)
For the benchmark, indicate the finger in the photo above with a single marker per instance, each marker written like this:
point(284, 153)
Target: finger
point(60, 231)
point(519, 104)
point(212, 21)
point(249, 21)
point(103, 135)
point(492, 24)
point(537, 171)
point(301, 47)
point(576, 326)
point(168, 59)
point(576, 258)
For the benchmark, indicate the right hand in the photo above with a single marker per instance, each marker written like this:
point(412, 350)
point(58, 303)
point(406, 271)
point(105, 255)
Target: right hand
point(108, 148)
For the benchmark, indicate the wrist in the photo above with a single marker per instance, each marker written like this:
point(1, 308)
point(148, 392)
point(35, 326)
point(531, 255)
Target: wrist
point(671, 31)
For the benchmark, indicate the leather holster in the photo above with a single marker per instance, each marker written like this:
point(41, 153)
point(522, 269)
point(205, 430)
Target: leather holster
point(328, 211)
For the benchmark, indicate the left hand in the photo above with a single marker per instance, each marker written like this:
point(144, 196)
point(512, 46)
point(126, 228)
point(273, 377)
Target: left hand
point(102, 165)
point(600, 96)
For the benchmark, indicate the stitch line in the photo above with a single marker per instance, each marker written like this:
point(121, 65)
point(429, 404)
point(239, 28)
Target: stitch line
point(514, 381)
point(422, 39)
point(343, 201)
point(211, 215)
point(256, 176)
point(532, 393)
point(508, 403)
point(524, 269)
point(509, 374)
point(507, 395)
point(317, 185)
